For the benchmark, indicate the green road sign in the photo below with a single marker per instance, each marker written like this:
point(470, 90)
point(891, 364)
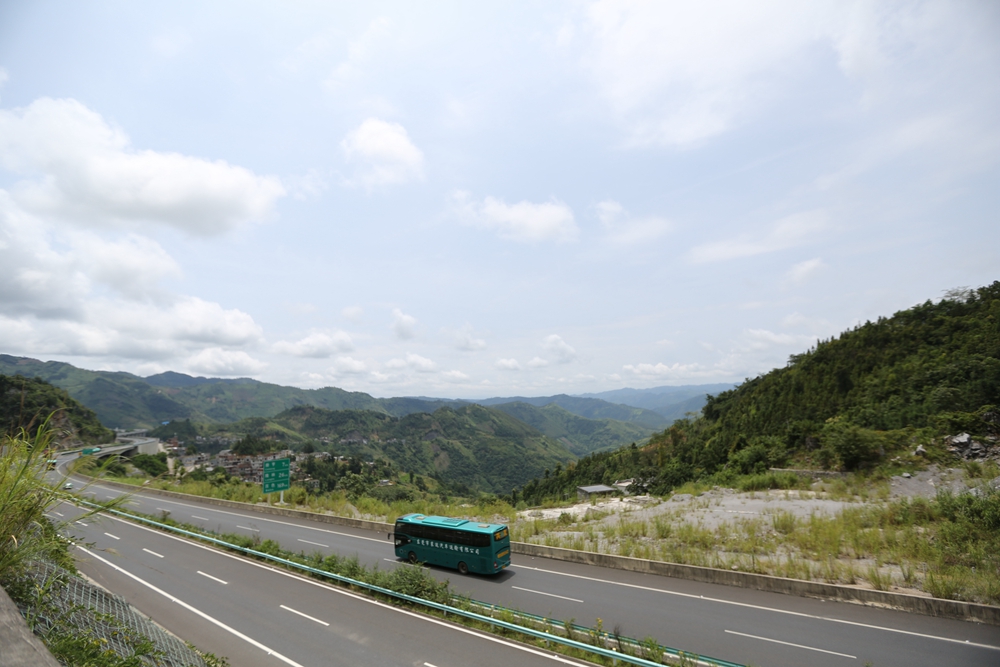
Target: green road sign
point(277, 475)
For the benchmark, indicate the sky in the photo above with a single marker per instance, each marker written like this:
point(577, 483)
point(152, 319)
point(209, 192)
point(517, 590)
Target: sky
point(467, 200)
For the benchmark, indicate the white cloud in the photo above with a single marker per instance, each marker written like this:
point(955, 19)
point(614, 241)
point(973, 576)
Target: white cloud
point(559, 349)
point(525, 222)
point(674, 372)
point(133, 265)
point(413, 362)
point(383, 153)
point(215, 361)
point(623, 229)
point(317, 345)
point(455, 376)
point(420, 364)
point(348, 365)
point(359, 51)
point(678, 73)
point(537, 362)
point(403, 325)
point(762, 338)
point(310, 185)
point(788, 232)
point(802, 271)
point(353, 313)
point(87, 172)
point(507, 365)
point(466, 340)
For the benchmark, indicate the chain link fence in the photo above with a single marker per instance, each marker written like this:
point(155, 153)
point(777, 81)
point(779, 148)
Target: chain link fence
point(70, 601)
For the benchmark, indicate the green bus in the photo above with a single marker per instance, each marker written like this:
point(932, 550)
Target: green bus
point(464, 545)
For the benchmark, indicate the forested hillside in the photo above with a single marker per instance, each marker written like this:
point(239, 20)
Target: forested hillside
point(27, 402)
point(471, 449)
point(590, 408)
point(925, 372)
point(580, 435)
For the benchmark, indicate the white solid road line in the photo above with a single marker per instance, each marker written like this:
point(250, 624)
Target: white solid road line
point(225, 583)
point(339, 591)
point(551, 595)
point(304, 615)
point(777, 641)
point(237, 633)
point(114, 537)
point(152, 552)
point(260, 518)
point(315, 543)
point(762, 608)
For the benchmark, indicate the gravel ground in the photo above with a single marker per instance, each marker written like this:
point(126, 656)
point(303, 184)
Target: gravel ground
point(721, 505)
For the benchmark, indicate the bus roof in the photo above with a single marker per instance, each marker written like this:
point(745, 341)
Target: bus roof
point(449, 522)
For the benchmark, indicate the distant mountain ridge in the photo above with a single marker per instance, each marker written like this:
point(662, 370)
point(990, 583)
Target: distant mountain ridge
point(583, 424)
point(580, 435)
point(670, 402)
point(591, 408)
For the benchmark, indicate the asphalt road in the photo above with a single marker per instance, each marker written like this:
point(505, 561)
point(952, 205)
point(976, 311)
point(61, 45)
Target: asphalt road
point(740, 625)
point(256, 615)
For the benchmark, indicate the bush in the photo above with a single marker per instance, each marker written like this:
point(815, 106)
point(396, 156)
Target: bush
point(856, 447)
point(153, 465)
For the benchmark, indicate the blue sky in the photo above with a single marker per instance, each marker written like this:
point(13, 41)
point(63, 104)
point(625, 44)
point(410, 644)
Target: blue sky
point(472, 199)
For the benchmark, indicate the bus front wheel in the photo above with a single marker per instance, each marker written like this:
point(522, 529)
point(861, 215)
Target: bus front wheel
point(412, 557)
point(463, 568)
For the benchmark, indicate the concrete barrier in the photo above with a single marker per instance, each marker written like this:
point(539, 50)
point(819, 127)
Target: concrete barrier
point(18, 646)
point(966, 611)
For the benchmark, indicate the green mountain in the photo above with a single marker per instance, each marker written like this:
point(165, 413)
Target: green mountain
point(580, 435)
point(129, 401)
point(473, 446)
point(591, 408)
point(27, 402)
point(119, 399)
point(928, 371)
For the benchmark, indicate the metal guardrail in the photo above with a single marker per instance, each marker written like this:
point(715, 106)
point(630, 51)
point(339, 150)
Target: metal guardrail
point(674, 654)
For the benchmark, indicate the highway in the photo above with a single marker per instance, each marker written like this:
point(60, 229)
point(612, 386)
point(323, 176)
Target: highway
point(739, 625)
point(257, 615)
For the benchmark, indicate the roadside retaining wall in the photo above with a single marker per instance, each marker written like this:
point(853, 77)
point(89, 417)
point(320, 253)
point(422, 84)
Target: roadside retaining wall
point(966, 611)
point(18, 646)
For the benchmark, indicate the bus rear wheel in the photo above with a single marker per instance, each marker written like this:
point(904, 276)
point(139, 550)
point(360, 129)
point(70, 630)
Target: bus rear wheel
point(463, 568)
point(412, 557)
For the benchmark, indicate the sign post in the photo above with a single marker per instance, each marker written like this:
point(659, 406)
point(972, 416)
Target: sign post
point(277, 477)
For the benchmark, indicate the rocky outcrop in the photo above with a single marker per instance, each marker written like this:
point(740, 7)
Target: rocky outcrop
point(965, 447)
